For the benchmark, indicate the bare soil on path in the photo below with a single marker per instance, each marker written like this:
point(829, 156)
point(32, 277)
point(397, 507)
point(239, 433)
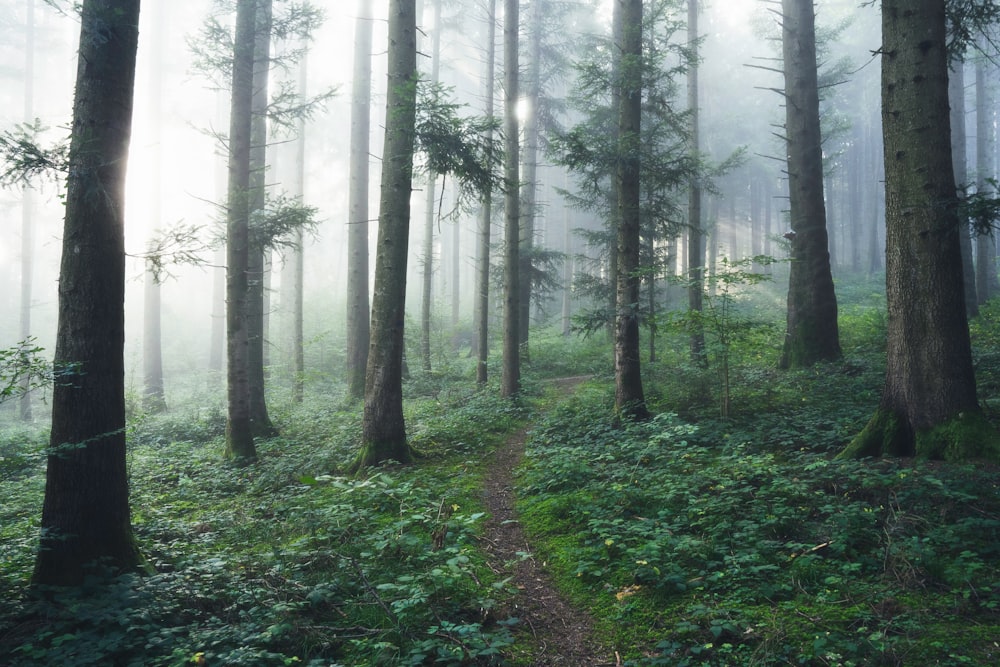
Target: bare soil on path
point(561, 634)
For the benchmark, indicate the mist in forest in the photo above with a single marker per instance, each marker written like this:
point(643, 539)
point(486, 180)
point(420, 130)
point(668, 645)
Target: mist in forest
point(177, 173)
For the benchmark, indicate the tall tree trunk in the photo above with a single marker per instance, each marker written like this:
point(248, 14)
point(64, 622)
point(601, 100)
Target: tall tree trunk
point(510, 381)
point(929, 407)
point(568, 265)
point(456, 268)
point(430, 208)
point(85, 515)
point(959, 158)
point(358, 322)
point(812, 333)
point(258, 266)
point(856, 224)
point(529, 185)
point(696, 243)
point(383, 427)
point(27, 207)
point(875, 194)
point(629, 398)
point(239, 432)
point(217, 335)
point(482, 307)
point(986, 251)
point(613, 259)
point(288, 161)
point(153, 399)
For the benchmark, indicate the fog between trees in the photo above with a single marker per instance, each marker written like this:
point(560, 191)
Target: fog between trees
point(176, 174)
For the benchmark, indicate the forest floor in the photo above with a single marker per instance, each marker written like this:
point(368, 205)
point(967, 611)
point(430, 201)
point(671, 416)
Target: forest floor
point(560, 634)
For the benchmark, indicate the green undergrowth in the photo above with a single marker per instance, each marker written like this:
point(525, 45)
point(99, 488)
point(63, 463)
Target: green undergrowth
point(744, 543)
point(283, 562)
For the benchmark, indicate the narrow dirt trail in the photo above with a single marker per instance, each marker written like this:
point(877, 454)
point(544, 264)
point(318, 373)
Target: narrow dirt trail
point(563, 635)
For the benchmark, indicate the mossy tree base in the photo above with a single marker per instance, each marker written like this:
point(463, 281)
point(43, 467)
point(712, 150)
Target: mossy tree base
point(377, 453)
point(967, 436)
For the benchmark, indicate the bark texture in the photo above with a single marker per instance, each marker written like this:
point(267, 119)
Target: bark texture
point(629, 399)
point(384, 430)
point(812, 333)
point(239, 435)
point(928, 407)
point(85, 515)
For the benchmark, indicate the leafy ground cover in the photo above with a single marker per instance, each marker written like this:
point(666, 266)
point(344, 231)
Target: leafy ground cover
point(703, 541)
point(284, 562)
point(692, 539)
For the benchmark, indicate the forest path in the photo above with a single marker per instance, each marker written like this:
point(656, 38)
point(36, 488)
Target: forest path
point(563, 635)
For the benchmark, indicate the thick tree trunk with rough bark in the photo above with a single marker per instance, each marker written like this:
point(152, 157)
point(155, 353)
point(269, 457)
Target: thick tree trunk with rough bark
point(629, 398)
point(812, 333)
point(482, 306)
point(384, 430)
point(358, 314)
point(929, 407)
point(239, 433)
point(510, 381)
point(85, 515)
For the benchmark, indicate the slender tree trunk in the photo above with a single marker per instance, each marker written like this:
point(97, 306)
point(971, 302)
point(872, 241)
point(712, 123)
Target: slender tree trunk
point(482, 307)
point(27, 207)
point(217, 340)
point(568, 265)
point(929, 407)
point(383, 427)
point(854, 198)
point(456, 268)
point(358, 322)
point(529, 184)
point(153, 399)
point(959, 158)
point(430, 208)
point(876, 251)
point(296, 264)
point(696, 243)
point(613, 258)
point(812, 333)
point(629, 398)
point(258, 266)
point(986, 252)
point(85, 515)
point(239, 432)
point(768, 195)
point(510, 381)
point(217, 335)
